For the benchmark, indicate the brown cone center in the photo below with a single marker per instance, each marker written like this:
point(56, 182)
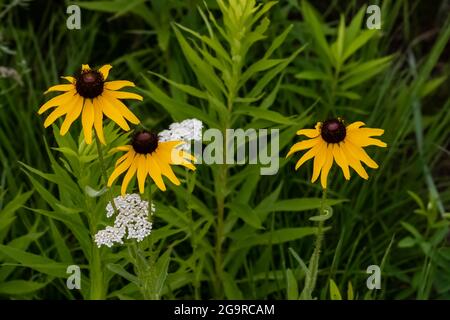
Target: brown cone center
point(333, 131)
point(145, 142)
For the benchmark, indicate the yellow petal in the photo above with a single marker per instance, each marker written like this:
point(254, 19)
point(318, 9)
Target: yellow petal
point(176, 156)
point(98, 120)
point(155, 172)
point(339, 156)
point(72, 115)
point(123, 158)
point(302, 145)
point(308, 155)
point(310, 133)
point(57, 101)
point(87, 120)
point(85, 67)
point(354, 163)
point(327, 166)
point(123, 109)
point(70, 79)
point(113, 113)
point(169, 145)
point(126, 180)
point(61, 87)
point(363, 141)
point(355, 125)
point(141, 171)
point(360, 154)
point(319, 160)
point(118, 84)
point(125, 95)
point(58, 112)
point(120, 168)
point(188, 156)
point(368, 132)
point(164, 166)
point(105, 70)
point(124, 148)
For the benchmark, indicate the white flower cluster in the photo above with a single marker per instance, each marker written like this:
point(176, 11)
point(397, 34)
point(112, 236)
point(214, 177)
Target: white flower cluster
point(131, 220)
point(187, 130)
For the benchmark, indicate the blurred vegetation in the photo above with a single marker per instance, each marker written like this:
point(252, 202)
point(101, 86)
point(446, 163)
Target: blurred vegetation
point(304, 62)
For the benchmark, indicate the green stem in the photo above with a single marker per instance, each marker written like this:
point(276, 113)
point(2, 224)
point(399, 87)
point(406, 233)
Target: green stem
point(101, 159)
point(96, 275)
point(97, 290)
point(314, 261)
point(218, 260)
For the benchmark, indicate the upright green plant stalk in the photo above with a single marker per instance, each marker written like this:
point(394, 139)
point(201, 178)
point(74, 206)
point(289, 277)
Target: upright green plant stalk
point(229, 88)
point(313, 266)
point(96, 272)
point(238, 16)
point(97, 281)
point(97, 291)
point(101, 159)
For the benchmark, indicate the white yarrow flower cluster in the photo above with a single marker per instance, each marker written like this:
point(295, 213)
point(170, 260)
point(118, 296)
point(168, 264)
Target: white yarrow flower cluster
point(187, 130)
point(131, 221)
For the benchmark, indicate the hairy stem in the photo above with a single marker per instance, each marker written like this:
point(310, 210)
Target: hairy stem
point(101, 159)
point(313, 266)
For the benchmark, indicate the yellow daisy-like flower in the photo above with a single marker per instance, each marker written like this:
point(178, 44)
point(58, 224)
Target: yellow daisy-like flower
point(146, 156)
point(89, 94)
point(332, 140)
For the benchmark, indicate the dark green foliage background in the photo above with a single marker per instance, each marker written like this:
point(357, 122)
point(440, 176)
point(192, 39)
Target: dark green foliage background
point(395, 219)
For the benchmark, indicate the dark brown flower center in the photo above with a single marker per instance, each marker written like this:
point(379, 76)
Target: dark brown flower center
point(145, 142)
point(89, 83)
point(333, 131)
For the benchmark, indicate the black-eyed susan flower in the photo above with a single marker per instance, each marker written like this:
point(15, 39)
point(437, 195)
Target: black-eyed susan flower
point(332, 140)
point(146, 156)
point(89, 94)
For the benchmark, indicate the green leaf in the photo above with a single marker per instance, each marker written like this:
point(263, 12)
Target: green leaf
point(118, 269)
point(300, 262)
point(360, 41)
point(272, 73)
point(246, 213)
point(278, 41)
point(274, 237)
point(335, 294)
point(338, 46)
point(36, 262)
point(211, 42)
point(292, 286)
point(316, 28)
point(312, 75)
point(432, 85)
point(161, 271)
point(205, 73)
point(355, 26)
point(60, 244)
point(20, 287)
point(302, 204)
point(179, 110)
point(259, 66)
point(350, 294)
point(7, 214)
point(407, 242)
point(264, 114)
point(183, 87)
point(231, 289)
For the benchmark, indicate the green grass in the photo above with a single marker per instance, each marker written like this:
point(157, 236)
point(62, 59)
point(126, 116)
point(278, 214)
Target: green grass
point(201, 246)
